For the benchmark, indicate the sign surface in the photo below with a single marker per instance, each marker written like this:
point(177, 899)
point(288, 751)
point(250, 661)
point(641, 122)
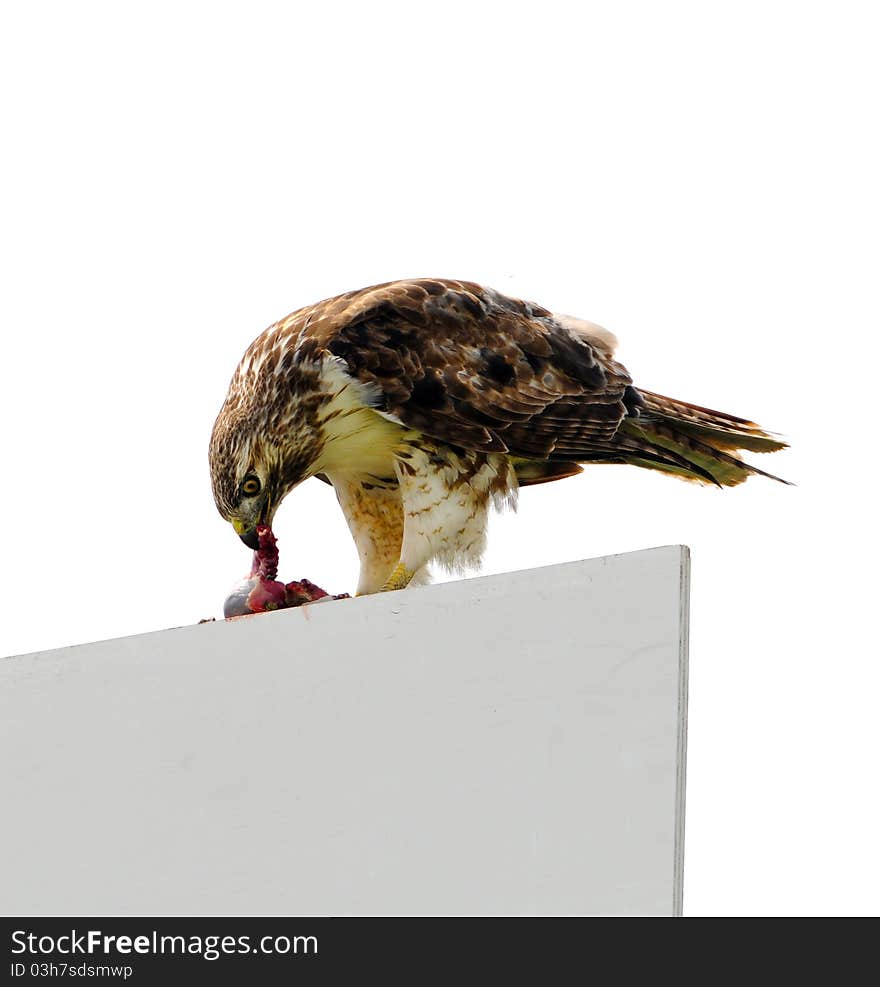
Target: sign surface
point(508, 745)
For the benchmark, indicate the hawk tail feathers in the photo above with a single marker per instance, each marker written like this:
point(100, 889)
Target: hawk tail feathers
point(693, 442)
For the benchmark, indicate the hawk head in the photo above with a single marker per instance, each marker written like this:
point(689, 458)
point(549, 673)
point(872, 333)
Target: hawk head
point(246, 476)
point(264, 443)
point(271, 431)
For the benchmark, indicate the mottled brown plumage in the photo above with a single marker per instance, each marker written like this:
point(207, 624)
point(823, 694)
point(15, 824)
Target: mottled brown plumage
point(424, 401)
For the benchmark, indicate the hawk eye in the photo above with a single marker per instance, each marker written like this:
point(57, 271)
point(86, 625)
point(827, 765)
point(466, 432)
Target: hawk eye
point(250, 486)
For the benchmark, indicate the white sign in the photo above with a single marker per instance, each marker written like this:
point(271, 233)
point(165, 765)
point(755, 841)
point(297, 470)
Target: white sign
point(510, 745)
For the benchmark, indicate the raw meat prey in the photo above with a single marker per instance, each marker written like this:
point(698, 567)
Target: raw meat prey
point(261, 590)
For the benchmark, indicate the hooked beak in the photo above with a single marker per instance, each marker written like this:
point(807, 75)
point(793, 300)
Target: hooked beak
point(246, 534)
point(246, 529)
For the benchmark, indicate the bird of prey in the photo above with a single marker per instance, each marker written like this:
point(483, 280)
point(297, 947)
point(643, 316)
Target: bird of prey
point(425, 402)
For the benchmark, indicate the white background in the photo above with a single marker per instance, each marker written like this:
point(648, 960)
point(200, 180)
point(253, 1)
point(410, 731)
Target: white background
point(699, 178)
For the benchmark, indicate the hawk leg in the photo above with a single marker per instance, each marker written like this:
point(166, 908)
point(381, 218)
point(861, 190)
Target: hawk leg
point(446, 495)
point(373, 509)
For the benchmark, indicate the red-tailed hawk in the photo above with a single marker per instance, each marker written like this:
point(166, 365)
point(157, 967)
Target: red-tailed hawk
point(425, 402)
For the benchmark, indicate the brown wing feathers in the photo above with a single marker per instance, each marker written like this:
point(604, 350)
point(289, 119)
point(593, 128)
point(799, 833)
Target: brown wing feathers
point(478, 370)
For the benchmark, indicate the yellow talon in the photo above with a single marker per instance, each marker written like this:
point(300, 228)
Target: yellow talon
point(399, 578)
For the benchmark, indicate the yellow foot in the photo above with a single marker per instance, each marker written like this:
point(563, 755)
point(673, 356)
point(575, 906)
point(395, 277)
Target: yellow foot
point(399, 578)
